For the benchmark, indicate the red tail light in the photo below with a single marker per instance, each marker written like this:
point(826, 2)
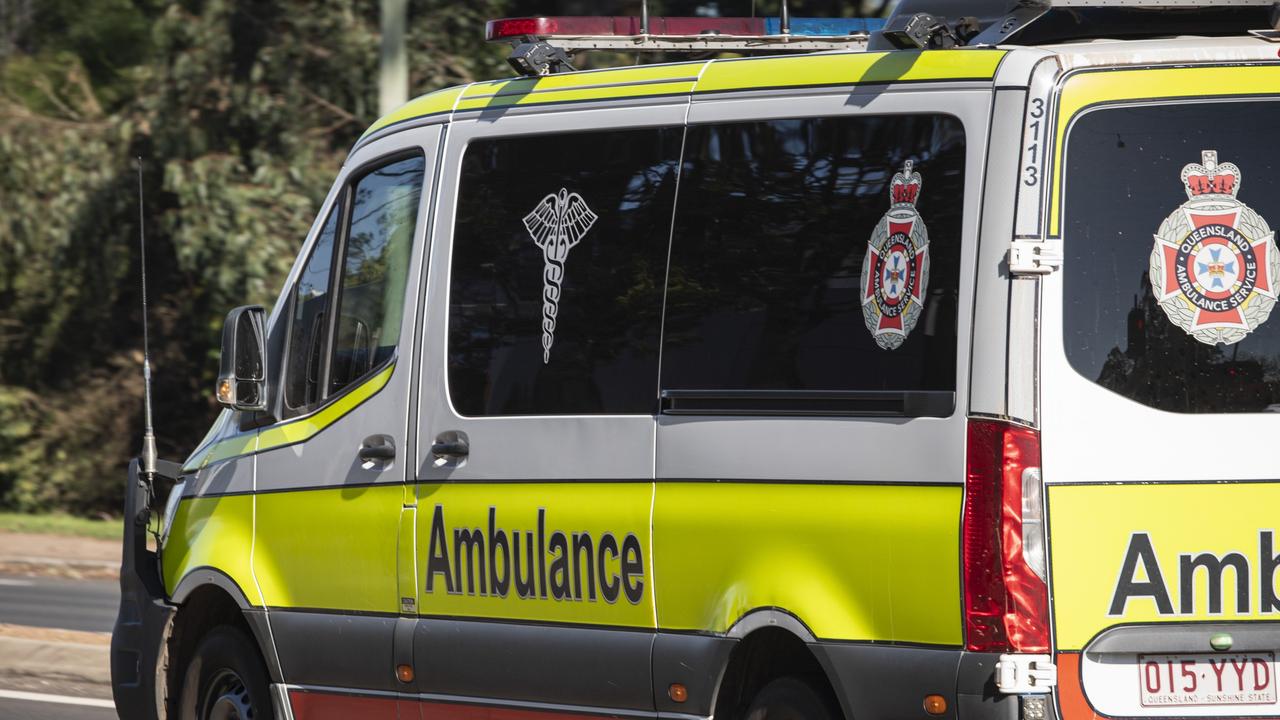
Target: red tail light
point(1006, 604)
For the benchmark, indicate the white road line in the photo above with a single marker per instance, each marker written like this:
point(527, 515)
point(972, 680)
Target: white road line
point(60, 699)
point(6, 582)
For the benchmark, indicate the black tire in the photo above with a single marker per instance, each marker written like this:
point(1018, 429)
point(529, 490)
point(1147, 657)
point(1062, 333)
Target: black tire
point(225, 680)
point(791, 698)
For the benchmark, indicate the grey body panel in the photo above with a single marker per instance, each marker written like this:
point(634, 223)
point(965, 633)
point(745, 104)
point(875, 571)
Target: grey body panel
point(335, 649)
point(228, 477)
point(870, 682)
point(588, 666)
point(257, 620)
point(991, 349)
point(976, 693)
point(696, 661)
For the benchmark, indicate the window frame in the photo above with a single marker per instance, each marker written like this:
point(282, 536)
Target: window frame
point(288, 410)
point(341, 205)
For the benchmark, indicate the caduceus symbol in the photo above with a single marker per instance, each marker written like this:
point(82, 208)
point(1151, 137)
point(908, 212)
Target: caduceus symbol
point(558, 222)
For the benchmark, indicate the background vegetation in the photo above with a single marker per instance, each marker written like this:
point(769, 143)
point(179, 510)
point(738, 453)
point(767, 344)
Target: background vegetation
point(242, 111)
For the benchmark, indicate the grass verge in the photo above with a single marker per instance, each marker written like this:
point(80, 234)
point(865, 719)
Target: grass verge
point(61, 525)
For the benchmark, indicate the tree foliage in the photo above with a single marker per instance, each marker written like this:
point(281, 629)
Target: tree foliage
point(242, 112)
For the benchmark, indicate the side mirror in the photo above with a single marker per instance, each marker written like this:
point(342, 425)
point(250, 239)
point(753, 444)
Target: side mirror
point(242, 375)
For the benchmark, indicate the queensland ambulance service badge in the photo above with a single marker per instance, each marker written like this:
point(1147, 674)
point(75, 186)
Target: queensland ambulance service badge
point(895, 272)
point(1214, 263)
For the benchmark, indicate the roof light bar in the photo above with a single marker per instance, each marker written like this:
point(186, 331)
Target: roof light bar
point(695, 34)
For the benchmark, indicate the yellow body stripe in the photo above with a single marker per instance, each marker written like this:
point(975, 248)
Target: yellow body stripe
point(440, 101)
point(853, 562)
point(308, 425)
point(330, 548)
point(582, 508)
point(711, 76)
point(850, 69)
point(234, 446)
point(290, 432)
point(600, 85)
point(1093, 527)
point(214, 532)
point(1087, 89)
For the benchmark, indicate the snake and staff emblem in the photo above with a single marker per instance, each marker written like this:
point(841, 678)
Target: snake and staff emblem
point(558, 222)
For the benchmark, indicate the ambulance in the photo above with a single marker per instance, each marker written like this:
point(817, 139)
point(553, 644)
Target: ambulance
point(909, 369)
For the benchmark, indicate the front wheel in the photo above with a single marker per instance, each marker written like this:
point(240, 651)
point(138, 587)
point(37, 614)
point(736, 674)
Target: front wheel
point(792, 699)
point(226, 680)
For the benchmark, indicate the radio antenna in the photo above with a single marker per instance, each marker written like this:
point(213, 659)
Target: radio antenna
point(148, 433)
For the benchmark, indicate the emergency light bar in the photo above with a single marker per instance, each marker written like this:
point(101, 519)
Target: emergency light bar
point(687, 34)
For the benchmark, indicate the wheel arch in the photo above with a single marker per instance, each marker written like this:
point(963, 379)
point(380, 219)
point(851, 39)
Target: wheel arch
point(206, 598)
point(772, 643)
point(199, 579)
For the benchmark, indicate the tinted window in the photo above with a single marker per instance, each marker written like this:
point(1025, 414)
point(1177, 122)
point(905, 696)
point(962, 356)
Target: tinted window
point(384, 211)
point(558, 261)
point(771, 284)
point(1169, 284)
point(309, 323)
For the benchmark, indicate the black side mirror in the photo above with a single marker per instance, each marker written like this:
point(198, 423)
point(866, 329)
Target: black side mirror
point(242, 376)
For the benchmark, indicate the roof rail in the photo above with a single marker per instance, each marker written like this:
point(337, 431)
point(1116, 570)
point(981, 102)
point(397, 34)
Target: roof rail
point(925, 23)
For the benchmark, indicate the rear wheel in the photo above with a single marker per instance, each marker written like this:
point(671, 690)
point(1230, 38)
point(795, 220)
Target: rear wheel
point(226, 680)
point(791, 698)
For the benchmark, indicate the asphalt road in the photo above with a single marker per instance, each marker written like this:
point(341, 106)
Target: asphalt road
point(57, 603)
point(11, 709)
point(88, 605)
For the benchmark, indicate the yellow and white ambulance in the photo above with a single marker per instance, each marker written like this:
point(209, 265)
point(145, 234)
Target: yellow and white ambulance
point(931, 376)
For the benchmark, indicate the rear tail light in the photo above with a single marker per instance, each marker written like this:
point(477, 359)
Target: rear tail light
point(1006, 603)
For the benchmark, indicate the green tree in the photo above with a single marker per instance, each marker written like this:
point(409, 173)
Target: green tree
point(242, 111)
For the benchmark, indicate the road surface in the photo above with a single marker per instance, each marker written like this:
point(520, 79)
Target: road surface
point(24, 706)
point(88, 605)
point(59, 603)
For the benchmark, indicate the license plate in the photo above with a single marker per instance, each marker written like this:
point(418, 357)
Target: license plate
point(1207, 679)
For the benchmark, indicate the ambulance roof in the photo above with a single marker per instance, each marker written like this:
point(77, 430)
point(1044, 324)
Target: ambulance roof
point(813, 70)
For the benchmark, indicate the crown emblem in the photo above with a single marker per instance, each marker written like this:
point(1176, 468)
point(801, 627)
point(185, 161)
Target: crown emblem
point(1207, 177)
point(905, 188)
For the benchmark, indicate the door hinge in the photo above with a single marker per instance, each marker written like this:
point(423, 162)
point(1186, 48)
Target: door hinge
point(1022, 674)
point(1034, 257)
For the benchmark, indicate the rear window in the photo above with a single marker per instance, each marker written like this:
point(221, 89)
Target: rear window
point(1171, 265)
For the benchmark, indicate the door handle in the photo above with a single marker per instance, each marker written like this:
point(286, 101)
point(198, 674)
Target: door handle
point(450, 450)
point(378, 448)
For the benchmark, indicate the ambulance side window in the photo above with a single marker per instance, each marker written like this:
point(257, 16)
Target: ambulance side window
point(559, 255)
point(310, 318)
point(383, 214)
point(368, 236)
point(815, 264)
